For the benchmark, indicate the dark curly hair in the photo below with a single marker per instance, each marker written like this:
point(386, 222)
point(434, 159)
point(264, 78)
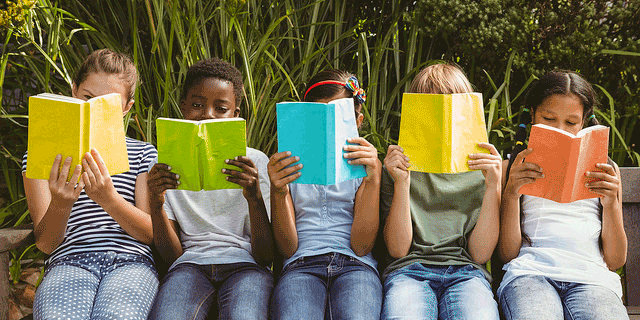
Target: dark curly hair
point(214, 68)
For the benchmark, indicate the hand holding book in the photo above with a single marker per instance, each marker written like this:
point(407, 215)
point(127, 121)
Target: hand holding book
point(97, 182)
point(246, 177)
point(283, 170)
point(63, 192)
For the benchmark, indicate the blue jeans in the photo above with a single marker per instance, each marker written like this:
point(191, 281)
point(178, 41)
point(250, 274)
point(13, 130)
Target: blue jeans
point(538, 297)
point(99, 285)
point(328, 286)
point(429, 292)
point(188, 291)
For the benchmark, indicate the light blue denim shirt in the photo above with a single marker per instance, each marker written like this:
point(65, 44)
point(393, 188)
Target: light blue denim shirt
point(324, 215)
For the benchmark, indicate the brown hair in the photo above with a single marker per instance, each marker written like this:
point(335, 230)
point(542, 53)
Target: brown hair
point(109, 62)
point(441, 78)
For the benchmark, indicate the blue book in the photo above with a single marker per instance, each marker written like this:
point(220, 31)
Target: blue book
point(317, 132)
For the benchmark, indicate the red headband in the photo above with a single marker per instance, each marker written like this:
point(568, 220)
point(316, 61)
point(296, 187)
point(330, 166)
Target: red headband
point(321, 83)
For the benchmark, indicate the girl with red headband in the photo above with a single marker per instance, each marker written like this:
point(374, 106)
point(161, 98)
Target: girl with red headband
point(326, 233)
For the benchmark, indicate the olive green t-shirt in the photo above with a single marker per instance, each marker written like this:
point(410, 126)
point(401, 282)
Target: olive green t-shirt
point(444, 210)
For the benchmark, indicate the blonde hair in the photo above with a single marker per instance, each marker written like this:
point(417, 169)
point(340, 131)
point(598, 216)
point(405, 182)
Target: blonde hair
point(442, 78)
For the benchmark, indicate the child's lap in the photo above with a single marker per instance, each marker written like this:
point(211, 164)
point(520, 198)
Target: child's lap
point(536, 297)
point(429, 292)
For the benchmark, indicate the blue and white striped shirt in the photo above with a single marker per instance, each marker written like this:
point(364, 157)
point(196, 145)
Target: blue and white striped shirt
point(90, 228)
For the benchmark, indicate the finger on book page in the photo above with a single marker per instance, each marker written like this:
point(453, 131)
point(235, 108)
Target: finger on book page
point(54, 174)
point(520, 157)
point(100, 162)
point(276, 157)
point(492, 149)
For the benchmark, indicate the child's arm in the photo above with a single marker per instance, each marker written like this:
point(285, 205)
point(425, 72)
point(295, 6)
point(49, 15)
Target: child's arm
point(135, 220)
point(484, 236)
point(261, 235)
point(614, 238)
point(366, 213)
point(165, 231)
point(398, 231)
point(50, 203)
point(521, 173)
point(282, 212)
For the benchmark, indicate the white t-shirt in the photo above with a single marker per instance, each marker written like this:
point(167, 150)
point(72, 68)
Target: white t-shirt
point(564, 244)
point(214, 224)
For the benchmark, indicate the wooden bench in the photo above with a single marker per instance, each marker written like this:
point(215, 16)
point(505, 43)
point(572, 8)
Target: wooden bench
point(631, 213)
point(15, 237)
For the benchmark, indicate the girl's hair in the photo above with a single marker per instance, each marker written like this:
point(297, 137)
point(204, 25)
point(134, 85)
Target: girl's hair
point(315, 92)
point(441, 78)
point(109, 62)
point(214, 68)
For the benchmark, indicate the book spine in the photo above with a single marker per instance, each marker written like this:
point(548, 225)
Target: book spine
point(85, 130)
point(330, 144)
point(447, 143)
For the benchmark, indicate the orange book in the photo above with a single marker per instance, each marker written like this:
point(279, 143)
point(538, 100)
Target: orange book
point(565, 159)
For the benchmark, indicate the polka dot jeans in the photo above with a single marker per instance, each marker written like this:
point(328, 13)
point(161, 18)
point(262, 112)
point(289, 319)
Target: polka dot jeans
point(100, 285)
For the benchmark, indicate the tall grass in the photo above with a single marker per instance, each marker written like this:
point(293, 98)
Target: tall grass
point(278, 46)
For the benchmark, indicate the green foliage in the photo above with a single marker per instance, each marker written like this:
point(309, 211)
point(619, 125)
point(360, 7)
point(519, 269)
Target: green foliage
point(279, 45)
point(596, 38)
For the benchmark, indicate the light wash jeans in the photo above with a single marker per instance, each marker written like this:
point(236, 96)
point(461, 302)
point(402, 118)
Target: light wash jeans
point(430, 292)
point(100, 285)
point(328, 286)
point(240, 290)
point(538, 297)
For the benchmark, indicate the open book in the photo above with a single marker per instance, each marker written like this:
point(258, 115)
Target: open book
point(317, 132)
point(439, 131)
point(71, 127)
point(196, 150)
point(564, 159)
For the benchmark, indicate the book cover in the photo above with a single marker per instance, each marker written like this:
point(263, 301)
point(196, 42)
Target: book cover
point(72, 127)
point(564, 159)
point(439, 131)
point(317, 132)
point(196, 150)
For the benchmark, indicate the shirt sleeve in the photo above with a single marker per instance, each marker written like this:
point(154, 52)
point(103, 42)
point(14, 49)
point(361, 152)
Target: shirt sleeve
point(149, 158)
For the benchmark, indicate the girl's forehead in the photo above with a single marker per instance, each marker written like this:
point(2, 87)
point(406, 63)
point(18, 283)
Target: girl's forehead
point(562, 104)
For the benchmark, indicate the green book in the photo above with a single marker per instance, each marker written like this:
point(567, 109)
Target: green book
point(196, 150)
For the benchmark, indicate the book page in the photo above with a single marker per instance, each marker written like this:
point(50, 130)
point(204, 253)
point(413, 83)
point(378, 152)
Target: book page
point(345, 127)
point(105, 132)
point(221, 140)
point(468, 128)
point(593, 150)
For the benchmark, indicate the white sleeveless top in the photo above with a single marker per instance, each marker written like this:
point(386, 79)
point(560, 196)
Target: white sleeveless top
point(564, 244)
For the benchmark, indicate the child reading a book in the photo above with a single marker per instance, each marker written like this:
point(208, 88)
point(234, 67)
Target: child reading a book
point(218, 241)
point(98, 230)
point(440, 228)
point(561, 257)
point(326, 232)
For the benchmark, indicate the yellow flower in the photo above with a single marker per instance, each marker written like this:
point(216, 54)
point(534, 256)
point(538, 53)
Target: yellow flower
point(14, 12)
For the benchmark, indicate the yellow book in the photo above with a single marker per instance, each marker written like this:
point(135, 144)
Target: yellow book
point(439, 131)
point(72, 127)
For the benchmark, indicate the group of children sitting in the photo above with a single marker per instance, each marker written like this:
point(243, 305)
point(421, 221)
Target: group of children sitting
point(438, 229)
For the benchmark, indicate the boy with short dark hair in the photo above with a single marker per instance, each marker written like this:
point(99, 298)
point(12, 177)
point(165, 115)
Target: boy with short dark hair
point(219, 241)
